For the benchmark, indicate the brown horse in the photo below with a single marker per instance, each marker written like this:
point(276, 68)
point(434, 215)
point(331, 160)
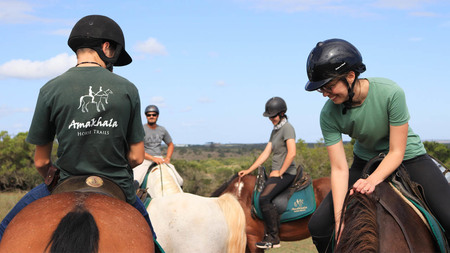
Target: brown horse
point(78, 222)
point(289, 231)
point(383, 222)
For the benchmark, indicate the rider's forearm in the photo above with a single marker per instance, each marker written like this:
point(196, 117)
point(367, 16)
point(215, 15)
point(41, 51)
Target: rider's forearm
point(170, 149)
point(136, 154)
point(339, 187)
point(42, 158)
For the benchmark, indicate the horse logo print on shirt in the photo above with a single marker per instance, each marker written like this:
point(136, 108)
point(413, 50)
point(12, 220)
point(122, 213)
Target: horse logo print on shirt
point(99, 99)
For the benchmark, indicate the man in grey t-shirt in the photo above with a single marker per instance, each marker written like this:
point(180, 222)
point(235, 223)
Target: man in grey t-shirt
point(154, 136)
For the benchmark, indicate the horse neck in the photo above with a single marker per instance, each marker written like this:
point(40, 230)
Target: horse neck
point(242, 189)
point(163, 183)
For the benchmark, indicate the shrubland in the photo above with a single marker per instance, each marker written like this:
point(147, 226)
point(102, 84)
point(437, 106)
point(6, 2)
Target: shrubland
point(203, 167)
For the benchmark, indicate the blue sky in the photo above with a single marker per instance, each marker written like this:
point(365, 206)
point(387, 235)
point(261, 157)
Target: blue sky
point(210, 65)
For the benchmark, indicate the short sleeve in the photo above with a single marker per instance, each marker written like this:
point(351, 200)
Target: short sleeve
point(330, 132)
point(398, 110)
point(42, 129)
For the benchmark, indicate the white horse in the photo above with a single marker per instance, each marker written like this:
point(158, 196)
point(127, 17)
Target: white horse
point(185, 222)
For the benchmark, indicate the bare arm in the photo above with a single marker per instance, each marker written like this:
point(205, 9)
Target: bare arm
point(136, 154)
point(170, 148)
point(339, 177)
point(398, 136)
point(259, 161)
point(42, 158)
point(291, 152)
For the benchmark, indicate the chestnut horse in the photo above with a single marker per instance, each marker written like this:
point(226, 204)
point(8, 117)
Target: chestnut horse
point(289, 231)
point(78, 222)
point(383, 222)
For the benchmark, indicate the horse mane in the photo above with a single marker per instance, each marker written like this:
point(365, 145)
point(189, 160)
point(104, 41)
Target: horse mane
point(224, 186)
point(359, 217)
point(235, 218)
point(76, 232)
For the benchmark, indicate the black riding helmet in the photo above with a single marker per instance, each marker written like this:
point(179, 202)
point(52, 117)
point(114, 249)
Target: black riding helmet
point(151, 108)
point(275, 106)
point(91, 31)
point(330, 59)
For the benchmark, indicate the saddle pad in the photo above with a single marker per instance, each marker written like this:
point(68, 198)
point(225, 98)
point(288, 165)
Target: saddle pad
point(432, 224)
point(302, 203)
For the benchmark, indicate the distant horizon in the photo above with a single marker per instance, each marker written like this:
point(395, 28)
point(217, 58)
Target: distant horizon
point(442, 141)
point(345, 140)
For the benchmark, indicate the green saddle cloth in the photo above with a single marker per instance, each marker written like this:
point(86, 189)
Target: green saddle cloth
point(296, 202)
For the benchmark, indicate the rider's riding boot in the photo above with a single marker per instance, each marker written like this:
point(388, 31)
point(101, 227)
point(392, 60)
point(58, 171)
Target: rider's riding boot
point(271, 225)
point(323, 243)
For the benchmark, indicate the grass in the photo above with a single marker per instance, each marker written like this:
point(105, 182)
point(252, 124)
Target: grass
point(7, 202)
point(304, 246)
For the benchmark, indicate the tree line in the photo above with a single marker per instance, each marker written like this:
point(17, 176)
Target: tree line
point(203, 167)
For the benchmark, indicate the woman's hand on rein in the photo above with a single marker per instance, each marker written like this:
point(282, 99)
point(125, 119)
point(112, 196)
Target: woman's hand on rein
point(242, 173)
point(363, 186)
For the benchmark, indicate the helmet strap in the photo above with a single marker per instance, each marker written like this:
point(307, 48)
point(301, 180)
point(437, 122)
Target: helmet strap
point(351, 94)
point(109, 62)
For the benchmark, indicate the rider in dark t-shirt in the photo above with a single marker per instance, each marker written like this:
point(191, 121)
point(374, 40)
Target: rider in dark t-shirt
point(93, 113)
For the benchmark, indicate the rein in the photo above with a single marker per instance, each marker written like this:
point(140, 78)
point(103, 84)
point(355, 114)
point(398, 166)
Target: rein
point(162, 181)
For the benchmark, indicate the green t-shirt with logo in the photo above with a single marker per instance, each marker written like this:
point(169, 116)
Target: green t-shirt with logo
point(95, 116)
point(384, 106)
point(278, 138)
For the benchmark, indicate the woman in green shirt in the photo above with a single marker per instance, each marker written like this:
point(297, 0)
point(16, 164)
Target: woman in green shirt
point(372, 111)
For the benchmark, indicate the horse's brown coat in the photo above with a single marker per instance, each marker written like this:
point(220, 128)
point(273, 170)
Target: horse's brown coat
point(289, 231)
point(396, 226)
point(122, 228)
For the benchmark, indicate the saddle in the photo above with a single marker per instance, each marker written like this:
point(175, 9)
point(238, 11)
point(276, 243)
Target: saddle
point(94, 184)
point(296, 202)
point(141, 191)
point(413, 194)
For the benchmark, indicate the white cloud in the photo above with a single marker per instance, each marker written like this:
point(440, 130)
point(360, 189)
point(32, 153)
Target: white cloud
point(186, 109)
point(158, 101)
point(401, 4)
point(352, 7)
point(27, 69)
point(15, 12)
point(286, 5)
point(151, 46)
point(205, 100)
point(62, 32)
point(19, 12)
point(424, 14)
point(194, 123)
point(221, 83)
point(5, 111)
point(213, 54)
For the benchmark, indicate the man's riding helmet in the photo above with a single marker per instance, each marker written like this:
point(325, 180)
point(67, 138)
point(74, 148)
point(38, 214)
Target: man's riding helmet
point(151, 108)
point(275, 106)
point(92, 31)
point(330, 59)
